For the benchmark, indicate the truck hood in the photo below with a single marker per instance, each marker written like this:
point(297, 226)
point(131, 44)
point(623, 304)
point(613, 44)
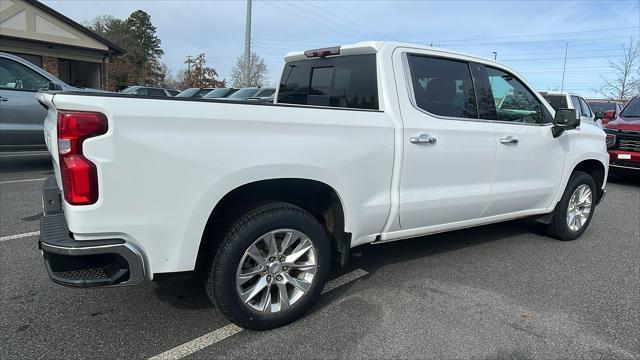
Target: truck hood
point(624, 123)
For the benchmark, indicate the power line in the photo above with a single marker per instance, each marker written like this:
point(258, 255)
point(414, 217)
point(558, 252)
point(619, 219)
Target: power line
point(334, 14)
point(545, 34)
point(305, 18)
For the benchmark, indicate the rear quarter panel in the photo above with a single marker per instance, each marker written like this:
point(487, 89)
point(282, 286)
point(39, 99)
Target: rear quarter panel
point(164, 164)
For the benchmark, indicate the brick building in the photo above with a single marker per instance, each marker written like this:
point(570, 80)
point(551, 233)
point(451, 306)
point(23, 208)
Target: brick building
point(61, 46)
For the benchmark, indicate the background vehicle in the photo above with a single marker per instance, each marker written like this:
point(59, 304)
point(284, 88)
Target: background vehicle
point(605, 110)
point(21, 116)
point(220, 93)
point(623, 138)
point(150, 91)
point(560, 100)
point(384, 141)
point(245, 93)
point(195, 92)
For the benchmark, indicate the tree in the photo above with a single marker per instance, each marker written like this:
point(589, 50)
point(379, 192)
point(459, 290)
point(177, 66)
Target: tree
point(626, 81)
point(140, 64)
point(254, 75)
point(198, 74)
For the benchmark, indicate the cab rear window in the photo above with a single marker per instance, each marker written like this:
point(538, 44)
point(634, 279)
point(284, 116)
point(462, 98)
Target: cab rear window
point(556, 101)
point(343, 81)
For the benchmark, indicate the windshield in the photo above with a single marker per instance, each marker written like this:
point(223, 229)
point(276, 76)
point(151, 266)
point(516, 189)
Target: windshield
point(217, 93)
point(243, 93)
point(556, 101)
point(632, 109)
point(602, 107)
point(188, 93)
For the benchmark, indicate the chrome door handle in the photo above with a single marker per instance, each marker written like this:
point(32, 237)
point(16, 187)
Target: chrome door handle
point(423, 139)
point(509, 140)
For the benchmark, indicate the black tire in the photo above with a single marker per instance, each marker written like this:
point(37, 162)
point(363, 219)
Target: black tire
point(220, 282)
point(558, 228)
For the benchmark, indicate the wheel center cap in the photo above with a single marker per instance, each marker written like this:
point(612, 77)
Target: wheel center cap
point(274, 268)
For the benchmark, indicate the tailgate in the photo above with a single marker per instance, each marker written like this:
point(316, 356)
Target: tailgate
point(51, 131)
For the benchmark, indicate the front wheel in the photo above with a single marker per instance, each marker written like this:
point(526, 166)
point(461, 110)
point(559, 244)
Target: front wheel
point(574, 211)
point(270, 268)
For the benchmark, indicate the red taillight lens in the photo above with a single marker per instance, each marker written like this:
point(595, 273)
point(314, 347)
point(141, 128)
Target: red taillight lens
point(79, 175)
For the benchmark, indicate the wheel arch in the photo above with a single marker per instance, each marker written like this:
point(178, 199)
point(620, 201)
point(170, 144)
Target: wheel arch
point(315, 196)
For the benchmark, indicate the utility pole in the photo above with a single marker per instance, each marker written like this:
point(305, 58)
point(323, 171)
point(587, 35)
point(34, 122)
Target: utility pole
point(247, 44)
point(495, 55)
point(564, 67)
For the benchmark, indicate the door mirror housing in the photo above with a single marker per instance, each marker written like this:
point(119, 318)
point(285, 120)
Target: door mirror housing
point(565, 119)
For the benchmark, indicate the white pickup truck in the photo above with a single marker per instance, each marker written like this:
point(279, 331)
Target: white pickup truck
point(366, 143)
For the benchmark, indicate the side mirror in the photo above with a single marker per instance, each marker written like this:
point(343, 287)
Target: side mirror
point(565, 119)
point(599, 115)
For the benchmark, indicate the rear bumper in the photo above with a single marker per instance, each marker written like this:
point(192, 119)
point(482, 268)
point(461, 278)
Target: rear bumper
point(87, 263)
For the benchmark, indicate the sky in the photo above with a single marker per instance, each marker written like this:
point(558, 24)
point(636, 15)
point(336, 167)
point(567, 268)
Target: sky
point(529, 36)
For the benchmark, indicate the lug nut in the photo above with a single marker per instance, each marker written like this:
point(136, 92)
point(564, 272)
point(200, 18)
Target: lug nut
point(272, 259)
point(285, 268)
point(279, 278)
point(268, 277)
point(282, 259)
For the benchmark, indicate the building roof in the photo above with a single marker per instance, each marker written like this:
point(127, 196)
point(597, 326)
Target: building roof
point(18, 30)
point(113, 48)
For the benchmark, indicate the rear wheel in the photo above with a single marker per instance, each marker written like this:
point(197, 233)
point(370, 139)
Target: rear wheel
point(270, 268)
point(574, 211)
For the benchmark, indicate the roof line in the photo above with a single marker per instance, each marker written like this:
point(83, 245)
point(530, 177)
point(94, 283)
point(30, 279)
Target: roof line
point(113, 48)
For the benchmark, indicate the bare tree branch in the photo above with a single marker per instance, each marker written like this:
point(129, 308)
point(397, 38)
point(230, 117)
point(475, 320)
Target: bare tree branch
point(626, 81)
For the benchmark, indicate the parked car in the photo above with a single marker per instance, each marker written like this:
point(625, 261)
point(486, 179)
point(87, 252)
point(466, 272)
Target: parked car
point(195, 92)
point(252, 92)
point(623, 138)
point(605, 110)
point(150, 91)
point(21, 116)
point(220, 93)
point(571, 101)
point(384, 141)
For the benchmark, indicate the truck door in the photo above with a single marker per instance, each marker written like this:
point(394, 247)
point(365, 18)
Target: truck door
point(448, 151)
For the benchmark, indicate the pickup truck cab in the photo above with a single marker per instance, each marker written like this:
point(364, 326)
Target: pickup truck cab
point(576, 102)
point(366, 143)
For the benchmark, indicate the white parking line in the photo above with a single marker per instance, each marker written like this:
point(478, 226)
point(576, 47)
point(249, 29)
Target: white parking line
point(226, 331)
point(19, 236)
point(20, 181)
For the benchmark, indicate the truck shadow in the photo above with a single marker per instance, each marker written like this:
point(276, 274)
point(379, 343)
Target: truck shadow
point(625, 178)
point(189, 293)
point(11, 162)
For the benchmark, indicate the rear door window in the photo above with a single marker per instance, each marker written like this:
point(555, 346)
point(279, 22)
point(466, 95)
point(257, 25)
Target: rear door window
point(442, 86)
point(343, 81)
point(15, 76)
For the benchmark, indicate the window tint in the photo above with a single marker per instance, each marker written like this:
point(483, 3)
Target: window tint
point(576, 105)
point(585, 108)
point(173, 92)
point(155, 92)
point(344, 81)
point(266, 92)
point(443, 87)
point(513, 101)
point(556, 101)
point(15, 76)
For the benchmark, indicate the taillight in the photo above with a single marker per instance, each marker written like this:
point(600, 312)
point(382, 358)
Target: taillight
point(79, 175)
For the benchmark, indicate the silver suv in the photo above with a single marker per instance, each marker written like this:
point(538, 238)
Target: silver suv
point(21, 116)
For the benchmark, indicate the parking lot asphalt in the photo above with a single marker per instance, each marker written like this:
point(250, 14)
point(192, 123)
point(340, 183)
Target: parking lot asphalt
point(492, 292)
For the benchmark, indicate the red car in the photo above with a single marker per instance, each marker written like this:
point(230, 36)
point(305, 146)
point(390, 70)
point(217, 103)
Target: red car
point(623, 138)
point(605, 110)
